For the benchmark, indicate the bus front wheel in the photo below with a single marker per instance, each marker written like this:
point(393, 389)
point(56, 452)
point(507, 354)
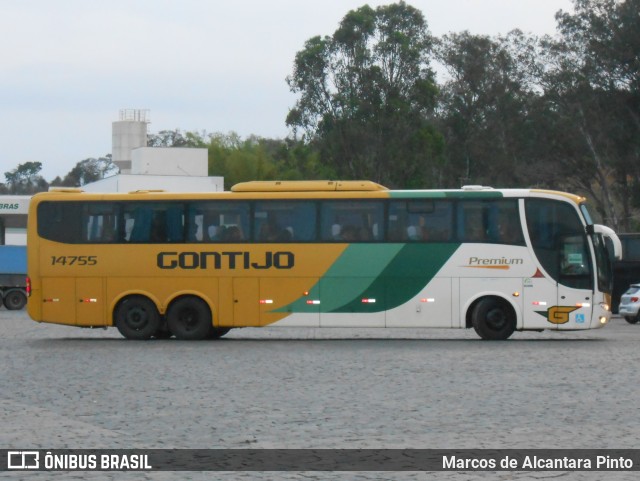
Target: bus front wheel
point(189, 319)
point(493, 319)
point(137, 318)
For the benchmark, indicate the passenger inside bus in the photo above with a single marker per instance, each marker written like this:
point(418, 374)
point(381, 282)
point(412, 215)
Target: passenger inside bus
point(232, 234)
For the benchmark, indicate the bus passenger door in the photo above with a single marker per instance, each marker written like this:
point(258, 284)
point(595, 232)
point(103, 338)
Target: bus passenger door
point(574, 308)
point(246, 301)
point(90, 298)
point(540, 298)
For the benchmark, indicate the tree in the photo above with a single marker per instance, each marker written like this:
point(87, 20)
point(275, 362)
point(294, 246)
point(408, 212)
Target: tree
point(367, 94)
point(167, 138)
point(239, 160)
point(592, 103)
point(87, 171)
point(483, 108)
point(25, 179)
point(175, 138)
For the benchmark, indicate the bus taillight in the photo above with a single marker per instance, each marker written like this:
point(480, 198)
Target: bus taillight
point(28, 286)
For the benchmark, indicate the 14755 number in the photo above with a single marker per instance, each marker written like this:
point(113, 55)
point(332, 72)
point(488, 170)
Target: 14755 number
point(74, 260)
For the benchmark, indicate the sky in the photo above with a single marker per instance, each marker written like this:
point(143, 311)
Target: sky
point(67, 67)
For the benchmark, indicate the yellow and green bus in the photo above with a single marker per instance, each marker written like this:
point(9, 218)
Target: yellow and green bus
point(317, 254)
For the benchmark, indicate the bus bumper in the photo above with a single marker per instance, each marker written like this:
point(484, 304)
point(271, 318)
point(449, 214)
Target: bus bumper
point(601, 315)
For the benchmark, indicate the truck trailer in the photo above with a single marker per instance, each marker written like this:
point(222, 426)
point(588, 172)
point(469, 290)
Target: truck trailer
point(13, 276)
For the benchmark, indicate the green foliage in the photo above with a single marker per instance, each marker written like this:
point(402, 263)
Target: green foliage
point(591, 104)
point(367, 94)
point(483, 110)
point(87, 171)
point(25, 179)
point(256, 158)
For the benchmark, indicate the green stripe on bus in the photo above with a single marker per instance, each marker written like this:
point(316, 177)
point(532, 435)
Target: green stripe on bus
point(402, 279)
point(383, 275)
point(357, 267)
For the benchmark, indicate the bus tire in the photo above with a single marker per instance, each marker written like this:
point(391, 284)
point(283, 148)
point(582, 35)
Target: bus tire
point(218, 332)
point(189, 319)
point(14, 300)
point(632, 319)
point(137, 317)
point(493, 319)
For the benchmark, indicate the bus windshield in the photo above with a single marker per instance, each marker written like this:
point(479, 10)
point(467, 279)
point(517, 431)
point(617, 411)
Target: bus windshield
point(604, 267)
point(603, 263)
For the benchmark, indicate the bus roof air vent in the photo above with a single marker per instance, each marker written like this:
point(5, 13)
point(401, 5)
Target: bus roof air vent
point(66, 190)
point(476, 187)
point(307, 186)
point(146, 191)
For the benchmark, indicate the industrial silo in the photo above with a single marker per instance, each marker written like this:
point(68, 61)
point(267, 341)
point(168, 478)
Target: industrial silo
point(128, 133)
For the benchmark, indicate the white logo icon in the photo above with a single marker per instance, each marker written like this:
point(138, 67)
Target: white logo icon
point(23, 459)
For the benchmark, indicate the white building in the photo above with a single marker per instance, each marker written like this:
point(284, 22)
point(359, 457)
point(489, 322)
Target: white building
point(172, 169)
point(13, 219)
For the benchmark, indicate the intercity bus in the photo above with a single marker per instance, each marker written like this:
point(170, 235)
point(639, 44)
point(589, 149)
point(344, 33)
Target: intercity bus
point(318, 254)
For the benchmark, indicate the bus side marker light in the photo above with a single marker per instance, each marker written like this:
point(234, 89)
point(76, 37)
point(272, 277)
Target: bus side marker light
point(583, 304)
point(266, 301)
point(51, 300)
point(88, 300)
point(313, 301)
point(427, 299)
point(516, 294)
point(539, 303)
point(368, 301)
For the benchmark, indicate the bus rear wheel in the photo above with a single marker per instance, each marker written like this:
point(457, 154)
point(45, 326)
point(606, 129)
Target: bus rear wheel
point(189, 319)
point(136, 317)
point(493, 319)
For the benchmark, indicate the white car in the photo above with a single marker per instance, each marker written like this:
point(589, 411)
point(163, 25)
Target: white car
point(630, 304)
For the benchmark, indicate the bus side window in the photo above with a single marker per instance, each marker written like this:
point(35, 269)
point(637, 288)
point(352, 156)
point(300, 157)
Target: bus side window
point(175, 223)
point(218, 221)
point(61, 221)
point(359, 221)
point(504, 222)
point(157, 223)
point(285, 221)
point(100, 223)
point(142, 220)
point(471, 221)
point(495, 221)
point(397, 221)
point(439, 222)
point(420, 220)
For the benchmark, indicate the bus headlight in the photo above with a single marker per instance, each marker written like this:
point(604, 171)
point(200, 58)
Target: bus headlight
point(603, 320)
